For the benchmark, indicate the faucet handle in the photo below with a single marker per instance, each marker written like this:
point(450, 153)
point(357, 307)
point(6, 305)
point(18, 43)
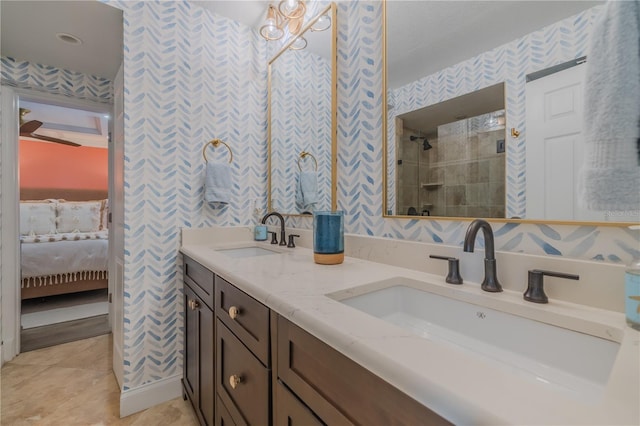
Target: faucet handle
point(274, 238)
point(535, 288)
point(453, 277)
point(292, 244)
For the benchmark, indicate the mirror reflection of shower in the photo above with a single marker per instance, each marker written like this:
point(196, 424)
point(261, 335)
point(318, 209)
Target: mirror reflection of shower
point(425, 144)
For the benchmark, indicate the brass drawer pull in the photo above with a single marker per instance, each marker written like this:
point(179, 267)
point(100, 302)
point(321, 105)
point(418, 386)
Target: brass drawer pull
point(235, 380)
point(234, 312)
point(193, 304)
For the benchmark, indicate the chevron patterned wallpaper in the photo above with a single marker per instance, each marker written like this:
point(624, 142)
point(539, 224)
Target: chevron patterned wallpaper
point(45, 78)
point(300, 121)
point(191, 76)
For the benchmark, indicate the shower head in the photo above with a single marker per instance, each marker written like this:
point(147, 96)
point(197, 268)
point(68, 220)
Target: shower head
point(425, 144)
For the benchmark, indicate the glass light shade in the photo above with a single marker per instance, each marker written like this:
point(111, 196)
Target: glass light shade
point(299, 44)
point(292, 8)
point(270, 30)
point(323, 23)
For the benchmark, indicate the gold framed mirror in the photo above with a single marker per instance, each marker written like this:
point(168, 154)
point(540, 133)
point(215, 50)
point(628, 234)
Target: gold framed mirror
point(302, 121)
point(429, 173)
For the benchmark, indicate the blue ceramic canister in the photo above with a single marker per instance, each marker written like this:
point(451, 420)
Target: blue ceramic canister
point(260, 233)
point(328, 237)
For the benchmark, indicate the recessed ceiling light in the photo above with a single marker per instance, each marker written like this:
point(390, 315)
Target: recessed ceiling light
point(68, 38)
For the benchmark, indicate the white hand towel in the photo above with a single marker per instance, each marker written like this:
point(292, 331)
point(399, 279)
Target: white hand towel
point(307, 190)
point(217, 184)
point(610, 177)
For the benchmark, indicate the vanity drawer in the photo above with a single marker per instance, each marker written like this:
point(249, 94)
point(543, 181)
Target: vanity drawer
point(338, 390)
point(290, 411)
point(242, 381)
point(223, 418)
point(200, 279)
point(245, 316)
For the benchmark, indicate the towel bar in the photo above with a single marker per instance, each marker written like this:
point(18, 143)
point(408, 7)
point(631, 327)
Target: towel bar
point(303, 155)
point(216, 143)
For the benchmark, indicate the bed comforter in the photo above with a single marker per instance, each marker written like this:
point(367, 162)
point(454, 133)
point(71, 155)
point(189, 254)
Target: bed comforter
point(60, 258)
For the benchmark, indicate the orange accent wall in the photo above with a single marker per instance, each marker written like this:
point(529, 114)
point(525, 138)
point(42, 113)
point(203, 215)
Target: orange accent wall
point(53, 165)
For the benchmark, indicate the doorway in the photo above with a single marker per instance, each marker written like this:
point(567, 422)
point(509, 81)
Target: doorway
point(63, 187)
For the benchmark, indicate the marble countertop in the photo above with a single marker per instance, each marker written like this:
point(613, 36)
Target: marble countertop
point(458, 385)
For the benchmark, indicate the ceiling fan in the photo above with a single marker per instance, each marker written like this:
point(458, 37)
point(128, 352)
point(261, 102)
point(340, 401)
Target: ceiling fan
point(28, 127)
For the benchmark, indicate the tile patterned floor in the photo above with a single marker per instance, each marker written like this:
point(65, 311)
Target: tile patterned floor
point(73, 384)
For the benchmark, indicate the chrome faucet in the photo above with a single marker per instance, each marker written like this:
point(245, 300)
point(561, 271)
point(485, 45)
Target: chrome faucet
point(282, 234)
point(490, 282)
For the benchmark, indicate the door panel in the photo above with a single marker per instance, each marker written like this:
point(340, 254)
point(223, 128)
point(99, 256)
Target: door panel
point(554, 151)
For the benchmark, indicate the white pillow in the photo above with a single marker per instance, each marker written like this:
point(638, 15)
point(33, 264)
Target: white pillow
point(37, 218)
point(80, 216)
point(104, 214)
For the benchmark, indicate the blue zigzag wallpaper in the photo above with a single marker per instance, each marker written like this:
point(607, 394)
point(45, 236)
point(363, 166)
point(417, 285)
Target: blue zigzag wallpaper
point(300, 121)
point(191, 76)
point(45, 78)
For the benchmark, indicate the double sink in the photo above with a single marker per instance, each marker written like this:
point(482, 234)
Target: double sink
point(563, 359)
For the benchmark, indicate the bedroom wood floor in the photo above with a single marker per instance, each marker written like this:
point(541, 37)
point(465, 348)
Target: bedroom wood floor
point(73, 384)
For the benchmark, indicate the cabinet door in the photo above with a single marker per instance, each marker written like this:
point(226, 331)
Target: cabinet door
point(207, 363)
point(290, 411)
point(223, 418)
point(191, 374)
point(242, 382)
point(199, 366)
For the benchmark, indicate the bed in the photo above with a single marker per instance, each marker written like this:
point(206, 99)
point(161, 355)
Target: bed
point(63, 241)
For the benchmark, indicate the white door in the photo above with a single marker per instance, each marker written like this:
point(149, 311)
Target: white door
point(116, 226)
point(554, 149)
point(9, 235)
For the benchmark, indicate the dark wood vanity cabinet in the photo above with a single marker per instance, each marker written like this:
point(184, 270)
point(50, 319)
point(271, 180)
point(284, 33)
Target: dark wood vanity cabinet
point(257, 368)
point(199, 368)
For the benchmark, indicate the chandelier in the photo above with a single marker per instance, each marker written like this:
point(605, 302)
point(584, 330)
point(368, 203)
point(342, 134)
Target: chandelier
point(290, 15)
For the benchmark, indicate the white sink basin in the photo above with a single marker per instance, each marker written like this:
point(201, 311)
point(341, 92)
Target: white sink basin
point(562, 358)
point(252, 251)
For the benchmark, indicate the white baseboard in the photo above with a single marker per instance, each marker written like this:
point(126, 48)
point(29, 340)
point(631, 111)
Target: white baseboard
point(118, 363)
point(146, 396)
point(8, 350)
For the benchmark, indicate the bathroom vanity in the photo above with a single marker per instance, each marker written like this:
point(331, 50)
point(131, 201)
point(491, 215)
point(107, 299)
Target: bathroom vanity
point(267, 366)
point(273, 338)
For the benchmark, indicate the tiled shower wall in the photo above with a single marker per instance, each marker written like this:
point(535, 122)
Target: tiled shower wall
point(461, 175)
